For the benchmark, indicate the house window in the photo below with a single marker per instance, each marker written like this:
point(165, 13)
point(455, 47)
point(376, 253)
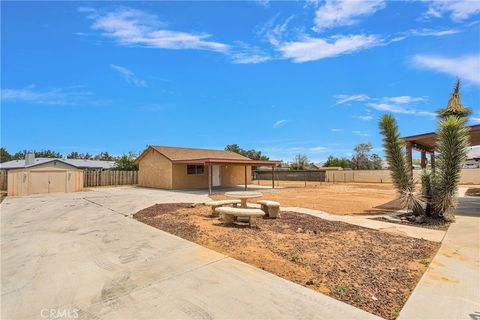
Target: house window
point(195, 169)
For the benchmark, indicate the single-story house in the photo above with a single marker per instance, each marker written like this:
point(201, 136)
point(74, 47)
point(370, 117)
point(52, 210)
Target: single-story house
point(51, 176)
point(188, 168)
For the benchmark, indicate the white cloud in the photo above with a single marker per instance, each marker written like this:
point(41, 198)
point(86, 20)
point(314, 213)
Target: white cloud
point(134, 27)
point(309, 49)
point(248, 54)
point(274, 32)
point(335, 130)
point(129, 76)
point(398, 109)
point(465, 67)
point(263, 3)
point(458, 10)
point(366, 117)
point(244, 58)
point(474, 119)
point(394, 104)
point(344, 98)
point(55, 96)
point(430, 32)
point(317, 149)
point(280, 123)
point(344, 12)
point(361, 133)
point(404, 99)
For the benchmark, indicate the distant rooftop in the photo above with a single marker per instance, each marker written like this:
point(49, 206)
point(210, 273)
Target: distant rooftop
point(79, 163)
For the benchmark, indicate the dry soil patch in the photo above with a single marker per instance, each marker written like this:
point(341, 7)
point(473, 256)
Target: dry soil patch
point(372, 270)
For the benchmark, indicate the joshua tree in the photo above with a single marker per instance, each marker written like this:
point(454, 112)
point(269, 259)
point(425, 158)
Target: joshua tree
point(452, 144)
point(395, 152)
point(440, 186)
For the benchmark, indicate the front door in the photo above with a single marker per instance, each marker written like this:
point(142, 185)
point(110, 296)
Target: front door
point(215, 176)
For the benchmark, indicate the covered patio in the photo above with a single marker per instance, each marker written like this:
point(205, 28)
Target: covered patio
point(212, 163)
point(425, 144)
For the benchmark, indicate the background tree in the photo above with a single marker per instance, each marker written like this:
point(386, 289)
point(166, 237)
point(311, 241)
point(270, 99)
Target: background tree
point(361, 156)
point(337, 162)
point(104, 156)
point(74, 155)
point(300, 162)
point(5, 155)
point(126, 162)
point(20, 155)
point(251, 154)
point(375, 162)
point(86, 156)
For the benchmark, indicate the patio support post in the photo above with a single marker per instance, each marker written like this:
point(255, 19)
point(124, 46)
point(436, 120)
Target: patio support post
point(423, 161)
point(273, 177)
point(432, 160)
point(210, 179)
point(245, 178)
point(408, 149)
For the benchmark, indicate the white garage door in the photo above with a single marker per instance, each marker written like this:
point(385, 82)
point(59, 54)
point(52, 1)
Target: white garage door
point(48, 182)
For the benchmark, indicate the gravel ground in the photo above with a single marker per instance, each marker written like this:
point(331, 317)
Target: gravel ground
point(430, 223)
point(372, 270)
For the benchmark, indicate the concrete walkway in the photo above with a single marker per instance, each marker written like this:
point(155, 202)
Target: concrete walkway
point(393, 228)
point(450, 289)
point(81, 255)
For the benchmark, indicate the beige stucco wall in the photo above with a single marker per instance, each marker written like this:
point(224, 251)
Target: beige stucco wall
point(46, 178)
point(232, 175)
point(468, 176)
point(155, 171)
point(182, 180)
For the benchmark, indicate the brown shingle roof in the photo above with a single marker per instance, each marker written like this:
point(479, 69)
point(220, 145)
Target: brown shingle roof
point(178, 154)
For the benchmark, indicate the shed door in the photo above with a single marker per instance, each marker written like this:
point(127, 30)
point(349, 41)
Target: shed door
point(48, 181)
point(57, 181)
point(38, 182)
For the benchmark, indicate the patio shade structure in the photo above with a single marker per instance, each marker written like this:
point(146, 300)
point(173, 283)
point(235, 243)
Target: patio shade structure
point(425, 143)
point(209, 162)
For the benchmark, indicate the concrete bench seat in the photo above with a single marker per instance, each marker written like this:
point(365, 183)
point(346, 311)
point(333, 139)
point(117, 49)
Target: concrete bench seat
point(219, 203)
point(271, 208)
point(230, 213)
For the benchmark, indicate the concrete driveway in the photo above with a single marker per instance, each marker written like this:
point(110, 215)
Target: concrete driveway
point(81, 256)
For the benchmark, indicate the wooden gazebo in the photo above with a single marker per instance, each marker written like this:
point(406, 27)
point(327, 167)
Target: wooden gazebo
point(425, 143)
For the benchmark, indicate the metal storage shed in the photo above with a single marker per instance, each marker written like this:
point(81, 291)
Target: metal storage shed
point(46, 177)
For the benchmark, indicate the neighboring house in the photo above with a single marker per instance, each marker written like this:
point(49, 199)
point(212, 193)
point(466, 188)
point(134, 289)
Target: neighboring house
point(79, 163)
point(50, 176)
point(473, 158)
point(187, 168)
point(311, 166)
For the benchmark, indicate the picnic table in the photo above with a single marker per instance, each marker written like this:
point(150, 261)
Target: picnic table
point(243, 196)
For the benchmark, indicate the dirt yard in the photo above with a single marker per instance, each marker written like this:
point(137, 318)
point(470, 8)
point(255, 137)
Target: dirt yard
point(353, 198)
point(372, 270)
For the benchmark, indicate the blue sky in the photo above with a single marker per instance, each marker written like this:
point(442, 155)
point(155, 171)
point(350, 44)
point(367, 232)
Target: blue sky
point(283, 77)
